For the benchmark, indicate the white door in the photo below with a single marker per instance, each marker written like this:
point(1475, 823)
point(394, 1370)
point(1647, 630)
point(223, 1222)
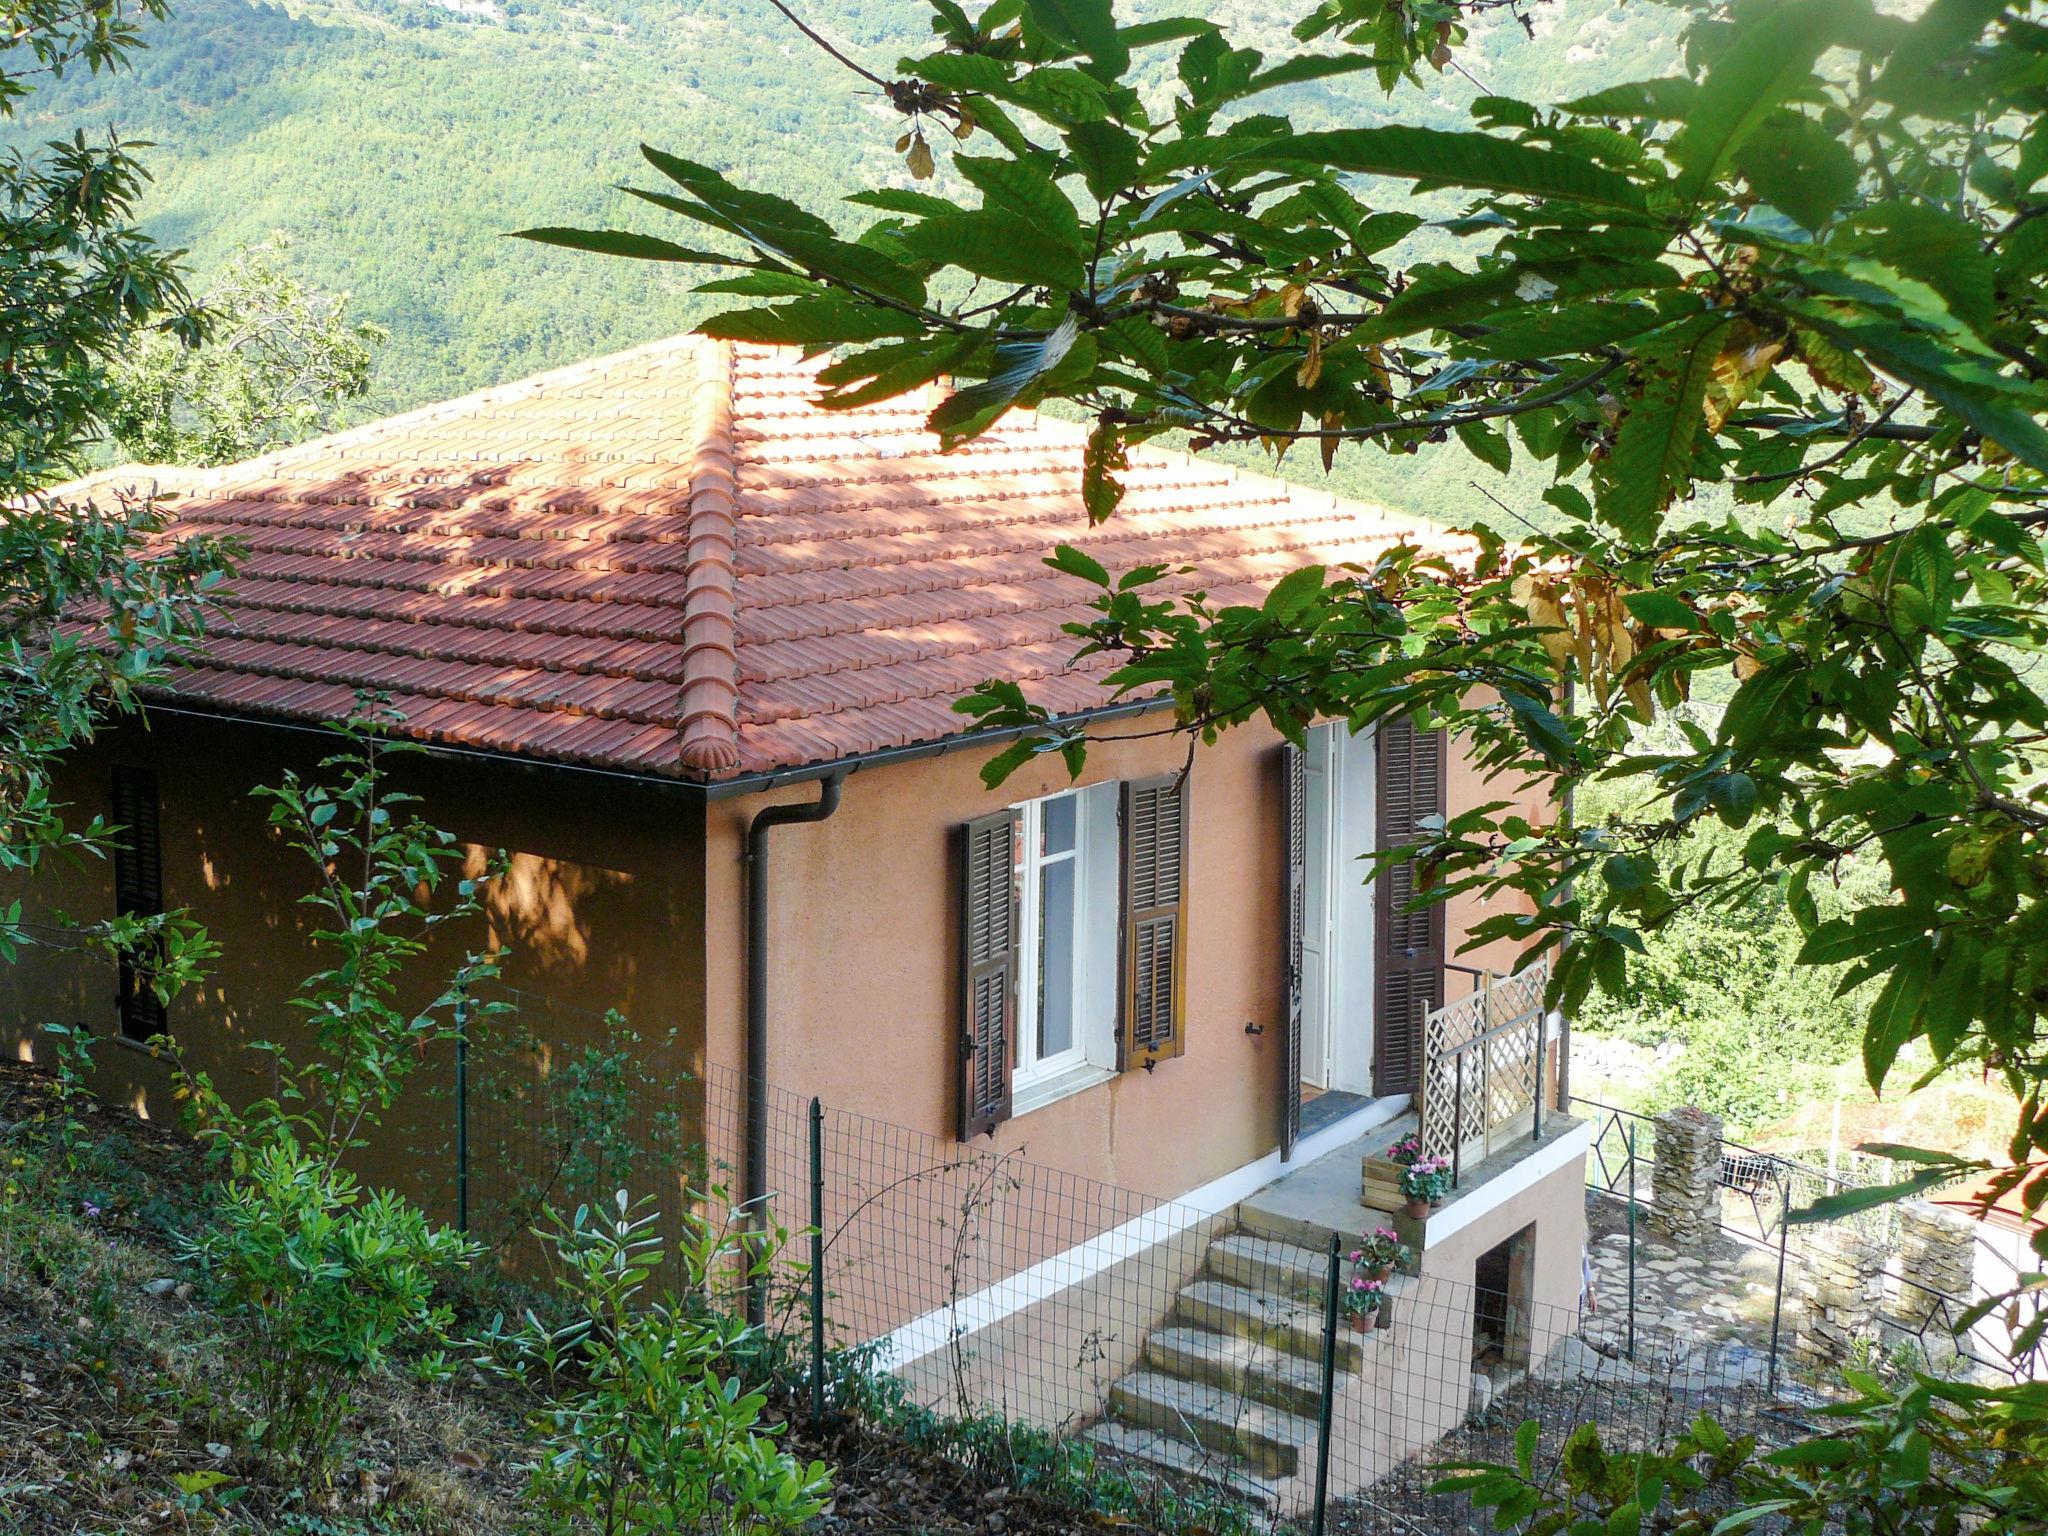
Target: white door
point(1337, 979)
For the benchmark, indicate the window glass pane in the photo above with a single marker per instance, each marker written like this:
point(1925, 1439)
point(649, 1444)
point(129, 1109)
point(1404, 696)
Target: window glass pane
point(1056, 818)
point(1056, 958)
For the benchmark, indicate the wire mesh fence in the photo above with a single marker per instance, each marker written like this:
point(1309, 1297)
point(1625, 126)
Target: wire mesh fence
point(1162, 1343)
point(1758, 1198)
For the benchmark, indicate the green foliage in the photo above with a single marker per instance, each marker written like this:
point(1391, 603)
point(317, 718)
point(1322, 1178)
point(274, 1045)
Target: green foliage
point(641, 1431)
point(326, 1284)
point(1902, 1457)
point(278, 363)
point(585, 1105)
point(381, 874)
point(78, 286)
point(1760, 1033)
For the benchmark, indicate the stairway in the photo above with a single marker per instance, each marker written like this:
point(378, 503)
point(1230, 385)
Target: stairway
point(1227, 1389)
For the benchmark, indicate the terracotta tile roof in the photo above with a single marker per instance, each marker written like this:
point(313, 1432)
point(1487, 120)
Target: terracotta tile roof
point(671, 561)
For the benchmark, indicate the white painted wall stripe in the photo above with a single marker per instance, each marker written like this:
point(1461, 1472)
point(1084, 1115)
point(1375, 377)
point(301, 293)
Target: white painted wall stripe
point(933, 1331)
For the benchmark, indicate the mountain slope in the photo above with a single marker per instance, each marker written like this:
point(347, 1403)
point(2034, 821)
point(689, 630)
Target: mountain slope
point(399, 140)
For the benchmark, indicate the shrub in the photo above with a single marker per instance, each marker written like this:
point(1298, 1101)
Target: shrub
point(641, 1432)
point(326, 1285)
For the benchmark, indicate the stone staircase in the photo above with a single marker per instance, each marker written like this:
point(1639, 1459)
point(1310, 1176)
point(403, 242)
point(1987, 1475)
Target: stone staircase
point(1227, 1388)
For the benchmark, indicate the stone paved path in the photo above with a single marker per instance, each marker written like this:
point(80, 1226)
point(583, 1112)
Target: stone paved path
point(1687, 1303)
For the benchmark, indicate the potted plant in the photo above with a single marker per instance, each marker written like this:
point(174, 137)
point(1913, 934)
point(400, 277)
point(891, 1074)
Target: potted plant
point(1424, 1183)
point(1363, 1300)
point(1379, 1253)
point(1405, 1151)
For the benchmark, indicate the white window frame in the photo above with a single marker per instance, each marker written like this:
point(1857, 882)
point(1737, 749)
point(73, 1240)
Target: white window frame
point(1036, 1081)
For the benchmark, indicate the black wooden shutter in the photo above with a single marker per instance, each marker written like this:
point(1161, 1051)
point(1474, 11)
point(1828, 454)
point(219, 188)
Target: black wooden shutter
point(1410, 946)
point(1294, 767)
point(1155, 838)
point(138, 890)
point(988, 953)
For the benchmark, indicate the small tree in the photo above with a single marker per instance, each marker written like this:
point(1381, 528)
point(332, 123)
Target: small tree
point(79, 285)
point(279, 362)
point(381, 872)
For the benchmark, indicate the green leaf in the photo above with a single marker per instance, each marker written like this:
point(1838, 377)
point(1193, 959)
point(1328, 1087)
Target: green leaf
point(1653, 450)
point(1104, 458)
point(1088, 26)
point(1660, 610)
point(1436, 157)
point(1527, 1434)
point(1770, 58)
point(1866, 1197)
point(1540, 726)
point(1291, 595)
point(807, 322)
point(1797, 166)
point(1107, 155)
point(1487, 444)
point(1019, 366)
point(1894, 1017)
point(1024, 189)
point(619, 242)
point(1669, 98)
point(1574, 329)
point(994, 246)
point(1077, 563)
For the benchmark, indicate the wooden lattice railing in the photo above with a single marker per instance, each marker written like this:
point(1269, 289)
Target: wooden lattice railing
point(1489, 1067)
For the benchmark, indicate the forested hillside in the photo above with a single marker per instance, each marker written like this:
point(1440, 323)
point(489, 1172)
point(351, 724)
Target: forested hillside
point(397, 141)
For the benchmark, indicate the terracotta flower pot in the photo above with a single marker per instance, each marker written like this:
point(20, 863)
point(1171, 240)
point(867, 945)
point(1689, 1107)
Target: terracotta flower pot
point(1382, 1273)
point(1417, 1208)
point(1361, 1321)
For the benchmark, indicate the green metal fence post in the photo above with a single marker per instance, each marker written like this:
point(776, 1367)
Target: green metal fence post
point(462, 1114)
point(1631, 1240)
point(1325, 1408)
point(1778, 1297)
point(817, 1260)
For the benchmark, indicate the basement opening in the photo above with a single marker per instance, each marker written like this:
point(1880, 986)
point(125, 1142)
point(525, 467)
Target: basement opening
point(1501, 1305)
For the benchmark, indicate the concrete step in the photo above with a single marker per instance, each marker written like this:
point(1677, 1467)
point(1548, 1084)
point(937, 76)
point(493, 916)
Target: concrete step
point(1238, 1364)
point(1294, 1326)
point(1267, 1264)
point(1271, 1439)
point(1175, 1457)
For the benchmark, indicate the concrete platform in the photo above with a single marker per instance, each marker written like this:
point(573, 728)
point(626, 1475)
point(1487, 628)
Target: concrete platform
point(1310, 1203)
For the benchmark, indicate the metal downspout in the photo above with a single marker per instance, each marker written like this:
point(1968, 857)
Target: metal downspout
point(754, 1184)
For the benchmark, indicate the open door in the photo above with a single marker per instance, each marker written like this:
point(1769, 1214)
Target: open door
point(1410, 947)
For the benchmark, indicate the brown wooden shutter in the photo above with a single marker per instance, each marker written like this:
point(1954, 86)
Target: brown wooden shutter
point(988, 953)
point(1155, 838)
point(1410, 945)
point(138, 889)
point(1294, 768)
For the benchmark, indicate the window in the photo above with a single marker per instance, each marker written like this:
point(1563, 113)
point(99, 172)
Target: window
point(138, 891)
point(1067, 930)
point(1070, 923)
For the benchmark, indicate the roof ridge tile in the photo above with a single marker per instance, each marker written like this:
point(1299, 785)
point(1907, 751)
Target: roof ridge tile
point(709, 702)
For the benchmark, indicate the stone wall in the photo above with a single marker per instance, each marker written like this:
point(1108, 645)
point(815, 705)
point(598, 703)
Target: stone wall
point(1937, 1251)
point(1686, 1180)
point(1832, 1299)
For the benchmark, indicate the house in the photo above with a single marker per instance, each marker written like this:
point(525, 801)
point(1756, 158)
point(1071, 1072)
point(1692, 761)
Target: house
point(687, 647)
